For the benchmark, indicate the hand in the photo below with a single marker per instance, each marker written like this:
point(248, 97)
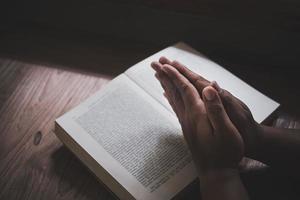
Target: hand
point(214, 141)
point(237, 111)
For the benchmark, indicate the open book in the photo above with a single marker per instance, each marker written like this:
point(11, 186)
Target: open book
point(128, 135)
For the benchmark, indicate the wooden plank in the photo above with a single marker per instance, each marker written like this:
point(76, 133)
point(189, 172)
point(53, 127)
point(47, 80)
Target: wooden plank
point(34, 164)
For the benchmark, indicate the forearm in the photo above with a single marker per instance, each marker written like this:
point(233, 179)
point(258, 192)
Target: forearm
point(277, 147)
point(222, 184)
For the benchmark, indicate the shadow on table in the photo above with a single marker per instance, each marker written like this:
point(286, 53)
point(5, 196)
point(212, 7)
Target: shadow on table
point(75, 178)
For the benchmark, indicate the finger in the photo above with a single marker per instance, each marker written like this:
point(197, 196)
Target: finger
point(174, 107)
point(188, 92)
point(175, 99)
point(198, 81)
point(193, 77)
point(215, 109)
point(157, 66)
point(160, 75)
point(230, 102)
point(170, 89)
point(171, 92)
point(189, 138)
point(163, 60)
point(167, 96)
point(215, 85)
point(239, 113)
point(228, 99)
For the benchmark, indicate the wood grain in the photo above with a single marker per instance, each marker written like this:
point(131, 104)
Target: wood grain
point(34, 164)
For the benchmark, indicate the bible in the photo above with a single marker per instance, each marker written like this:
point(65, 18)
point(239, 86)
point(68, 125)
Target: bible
point(128, 135)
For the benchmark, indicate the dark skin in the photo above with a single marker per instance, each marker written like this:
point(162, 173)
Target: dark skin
point(221, 130)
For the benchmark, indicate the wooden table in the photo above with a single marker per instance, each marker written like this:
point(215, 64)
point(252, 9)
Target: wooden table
point(42, 76)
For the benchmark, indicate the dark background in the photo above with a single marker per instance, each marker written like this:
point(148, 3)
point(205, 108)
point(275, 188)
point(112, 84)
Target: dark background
point(257, 40)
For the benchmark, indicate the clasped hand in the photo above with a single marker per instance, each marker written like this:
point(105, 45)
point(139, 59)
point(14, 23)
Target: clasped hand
point(219, 128)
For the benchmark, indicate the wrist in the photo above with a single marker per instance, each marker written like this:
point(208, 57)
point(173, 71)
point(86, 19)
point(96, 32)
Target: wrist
point(222, 184)
point(257, 149)
point(218, 175)
point(257, 144)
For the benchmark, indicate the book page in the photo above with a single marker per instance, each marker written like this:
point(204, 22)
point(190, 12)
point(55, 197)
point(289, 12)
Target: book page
point(260, 105)
point(134, 138)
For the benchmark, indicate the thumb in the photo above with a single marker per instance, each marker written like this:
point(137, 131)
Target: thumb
point(215, 109)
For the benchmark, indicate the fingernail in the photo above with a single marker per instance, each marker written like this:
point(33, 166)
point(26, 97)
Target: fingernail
point(162, 59)
point(209, 94)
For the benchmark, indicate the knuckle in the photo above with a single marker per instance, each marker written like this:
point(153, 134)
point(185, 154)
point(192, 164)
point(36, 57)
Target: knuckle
point(198, 79)
point(176, 63)
point(245, 107)
point(198, 111)
point(184, 88)
point(179, 66)
point(200, 82)
point(199, 115)
point(227, 96)
point(177, 96)
point(216, 109)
